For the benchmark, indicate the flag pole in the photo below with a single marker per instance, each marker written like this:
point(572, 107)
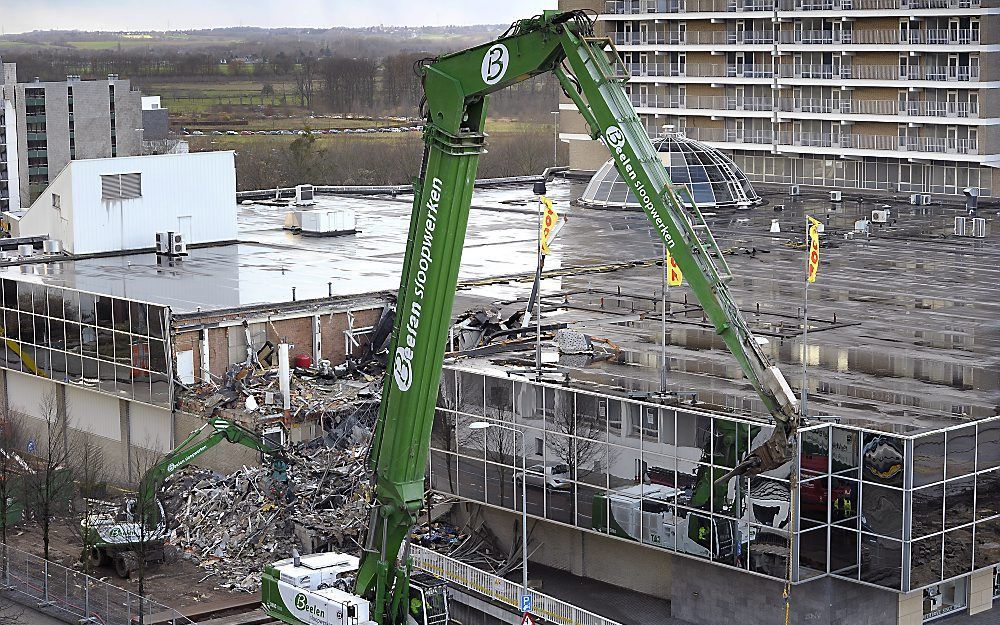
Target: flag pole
point(805, 324)
point(663, 326)
point(538, 298)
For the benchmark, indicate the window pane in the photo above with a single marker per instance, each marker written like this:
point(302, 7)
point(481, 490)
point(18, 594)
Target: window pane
point(882, 460)
point(925, 566)
point(958, 506)
point(987, 494)
point(881, 561)
point(928, 459)
point(961, 451)
point(958, 549)
point(928, 510)
point(882, 510)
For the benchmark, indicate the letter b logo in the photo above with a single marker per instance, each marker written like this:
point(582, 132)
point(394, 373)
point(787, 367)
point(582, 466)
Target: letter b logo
point(495, 63)
point(615, 137)
point(300, 601)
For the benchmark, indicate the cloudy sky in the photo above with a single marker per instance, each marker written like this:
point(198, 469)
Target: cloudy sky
point(24, 15)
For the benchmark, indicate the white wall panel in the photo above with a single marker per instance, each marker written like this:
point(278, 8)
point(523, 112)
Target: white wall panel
point(92, 412)
point(149, 427)
point(26, 392)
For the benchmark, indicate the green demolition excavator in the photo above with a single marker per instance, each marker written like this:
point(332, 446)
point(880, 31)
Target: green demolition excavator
point(314, 589)
point(138, 528)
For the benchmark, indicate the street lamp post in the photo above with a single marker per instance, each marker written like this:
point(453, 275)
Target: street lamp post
point(485, 425)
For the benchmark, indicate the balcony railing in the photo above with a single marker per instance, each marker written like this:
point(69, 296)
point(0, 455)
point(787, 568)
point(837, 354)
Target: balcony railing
point(719, 37)
point(638, 39)
point(879, 72)
point(879, 107)
point(873, 5)
point(935, 145)
point(749, 70)
point(931, 36)
point(643, 7)
point(715, 103)
point(939, 145)
point(657, 69)
point(825, 72)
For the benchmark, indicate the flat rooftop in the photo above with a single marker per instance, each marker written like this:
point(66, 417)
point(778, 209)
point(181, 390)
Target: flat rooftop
point(269, 262)
point(904, 324)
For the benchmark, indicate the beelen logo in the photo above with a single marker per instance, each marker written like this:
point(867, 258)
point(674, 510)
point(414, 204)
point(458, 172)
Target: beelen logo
point(495, 63)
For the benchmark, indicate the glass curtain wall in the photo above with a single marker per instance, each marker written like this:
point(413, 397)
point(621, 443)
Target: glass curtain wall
point(115, 345)
point(897, 511)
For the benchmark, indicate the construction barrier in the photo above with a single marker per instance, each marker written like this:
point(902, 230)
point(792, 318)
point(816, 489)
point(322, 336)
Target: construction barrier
point(36, 581)
point(502, 590)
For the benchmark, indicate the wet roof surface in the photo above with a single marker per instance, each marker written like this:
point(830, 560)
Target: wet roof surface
point(905, 325)
point(269, 261)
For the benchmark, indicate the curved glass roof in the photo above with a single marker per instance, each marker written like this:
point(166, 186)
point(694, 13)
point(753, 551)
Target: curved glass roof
point(713, 179)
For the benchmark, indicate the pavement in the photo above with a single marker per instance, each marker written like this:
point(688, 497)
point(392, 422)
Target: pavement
point(612, 602)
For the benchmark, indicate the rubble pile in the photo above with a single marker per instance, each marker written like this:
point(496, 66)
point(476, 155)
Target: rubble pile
point(235, 524)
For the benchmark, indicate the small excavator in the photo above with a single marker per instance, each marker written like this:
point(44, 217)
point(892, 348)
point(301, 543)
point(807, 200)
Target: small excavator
point(317, 589)
point(138, 528)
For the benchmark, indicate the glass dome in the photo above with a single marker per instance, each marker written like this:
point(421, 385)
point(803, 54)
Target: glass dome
point(712, 178)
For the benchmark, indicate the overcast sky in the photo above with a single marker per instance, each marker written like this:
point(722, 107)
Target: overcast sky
point(24, 15)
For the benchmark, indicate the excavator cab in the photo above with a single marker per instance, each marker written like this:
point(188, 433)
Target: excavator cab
point(428, 604)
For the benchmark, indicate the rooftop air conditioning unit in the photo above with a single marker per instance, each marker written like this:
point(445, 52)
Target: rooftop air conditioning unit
point(304, 195)
point(920, 199)
point(328, 222)
point(794, 190)
point(978, 227)
point(170, 244)
point(960, 226)
point(880, 216)
point(836, 196)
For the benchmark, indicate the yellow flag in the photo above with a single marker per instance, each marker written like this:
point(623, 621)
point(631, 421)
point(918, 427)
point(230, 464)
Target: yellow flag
point(550, 226)
point(813, 266)
point(674, 275)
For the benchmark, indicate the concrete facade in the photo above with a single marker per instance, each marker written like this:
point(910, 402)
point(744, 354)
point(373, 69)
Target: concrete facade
point(893, 95)
point(68, 120)
point(194, 194)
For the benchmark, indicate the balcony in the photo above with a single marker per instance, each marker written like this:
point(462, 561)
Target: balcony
point(695, 38)
point(694, 103)
point(638, 39)
point(874, 5)
point(749, 70)
point(880, 107)
point(880, 72)
point(931, 145)
point(935, 145)
point(931, 36)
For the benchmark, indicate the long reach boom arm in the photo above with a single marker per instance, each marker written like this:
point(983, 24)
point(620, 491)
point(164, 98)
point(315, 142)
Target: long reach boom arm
point(457, 89)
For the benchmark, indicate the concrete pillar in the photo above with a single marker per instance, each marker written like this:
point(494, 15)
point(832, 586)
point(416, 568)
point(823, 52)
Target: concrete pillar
point(4, 403)
point(980, 591)
point(124, 424)
point(206, 371)
point(911, 608)
point(62, 415)
point(317, 336)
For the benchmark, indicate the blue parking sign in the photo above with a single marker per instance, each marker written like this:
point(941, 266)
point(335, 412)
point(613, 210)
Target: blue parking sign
point(526, 601)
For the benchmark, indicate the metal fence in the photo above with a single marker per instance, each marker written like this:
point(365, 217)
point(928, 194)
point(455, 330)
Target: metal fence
point(502, 590)
point(82, 597)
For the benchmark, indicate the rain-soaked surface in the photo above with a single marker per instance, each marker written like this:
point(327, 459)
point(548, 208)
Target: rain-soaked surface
point(904, 324)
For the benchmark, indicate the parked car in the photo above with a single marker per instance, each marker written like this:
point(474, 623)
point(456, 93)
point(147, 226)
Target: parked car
point(551, 475)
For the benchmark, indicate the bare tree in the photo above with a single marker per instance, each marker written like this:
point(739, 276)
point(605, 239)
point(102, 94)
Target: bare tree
point(51, 484)
point(304, 75)
point(12, 470)
point(147, 513)
point(91, 472)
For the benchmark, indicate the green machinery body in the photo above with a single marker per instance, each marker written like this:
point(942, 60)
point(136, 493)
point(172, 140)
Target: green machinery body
point(457, 89)
point(118, 538)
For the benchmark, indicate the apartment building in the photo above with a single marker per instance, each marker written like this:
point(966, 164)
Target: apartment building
point(45, 125)
point(867, 94)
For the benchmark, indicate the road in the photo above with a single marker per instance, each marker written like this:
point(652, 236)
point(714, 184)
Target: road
point(34, 617)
